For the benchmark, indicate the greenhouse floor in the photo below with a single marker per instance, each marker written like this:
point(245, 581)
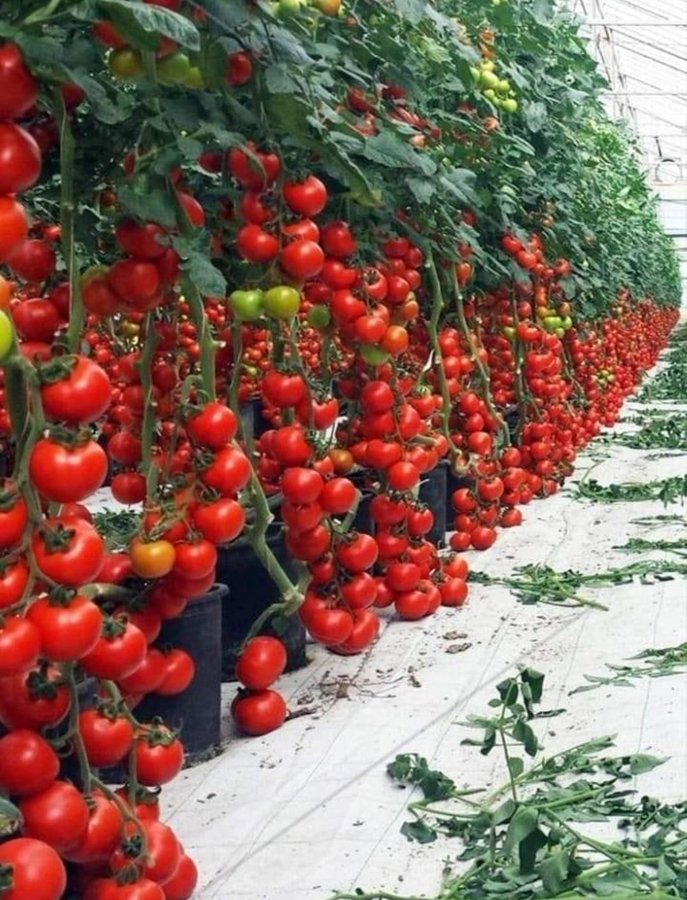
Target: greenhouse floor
point(309, 809)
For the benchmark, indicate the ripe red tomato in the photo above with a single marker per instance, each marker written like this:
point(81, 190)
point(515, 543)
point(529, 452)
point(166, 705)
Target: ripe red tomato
point(179, 672)
point(136, 282)
point(221, 521)
point(255, 170)
point(128, 488)
point(28, 764)
point(102, 834)
point(140, 241)
point(338, 241)
point(13, 517)
point(307, 198)
point(338, 496)
point(107, 739)
point(358, 552)
point(118, 652)
point(159, 757)
point(412, 605)
point(454, 592)
point(239, 69)
point(69, 628)
point(482, 537)
point(58, 815)
point(14, 578)
point(403, 476)
point(147, 677)
point(283, 389)
point(20, 645)
point(82, 395)
point(14, 225)
point(260, 664)
point(37, 870)
point(20, 159)
point(328, 625)
point(213, 427)
point(18, 87)
point(183, 882)
point(35, 260)
point(257, 245)
point(65, 474)
point(365, 631)
point(228, 473)
point(195, 559)
point(259, 712)
point(33, 700)
point(290, 446)
point(302, 259)
point(360, 592)
point(301, 485)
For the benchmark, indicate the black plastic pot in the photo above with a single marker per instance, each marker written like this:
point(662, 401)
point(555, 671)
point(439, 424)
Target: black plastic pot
point(196, 711)
point(433, 494)
point(251, 592)
point(512, 419)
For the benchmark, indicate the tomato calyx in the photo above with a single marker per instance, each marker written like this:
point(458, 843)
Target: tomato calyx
point(59, 368)
point(113, 627)
point(9, 497)
point(61, 596)
point(58, 538)
point(41, 687)
point(69, 437)
point(157, 734)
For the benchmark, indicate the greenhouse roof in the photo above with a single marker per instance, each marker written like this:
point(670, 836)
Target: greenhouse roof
point(641, 47)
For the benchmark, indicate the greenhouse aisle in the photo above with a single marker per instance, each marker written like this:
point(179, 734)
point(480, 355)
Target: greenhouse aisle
point(309, 810)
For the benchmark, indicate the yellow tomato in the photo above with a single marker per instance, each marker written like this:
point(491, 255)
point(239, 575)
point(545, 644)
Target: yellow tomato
point(152, 559)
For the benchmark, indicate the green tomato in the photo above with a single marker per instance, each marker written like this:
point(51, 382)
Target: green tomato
point(488, 79)
point(6, 336)
point(174, 69)
point(551, 323)
point(125, 64)
point(503, 86)
point(510, 105)
point(509, 332)
point(247, 305)
point(560, 332)
point(282, 301)
point(373, 356)
point(319, 317)
point(567, 323)
point(490, 95)
point(287, 8)
point(194, 81)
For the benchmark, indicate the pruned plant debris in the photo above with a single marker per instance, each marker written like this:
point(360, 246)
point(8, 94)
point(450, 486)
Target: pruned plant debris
point(529, 838)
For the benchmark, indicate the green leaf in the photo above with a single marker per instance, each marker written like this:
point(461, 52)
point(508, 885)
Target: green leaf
point(528, 849)
point(521, 825)
point(10, 817)
point(206, 277)
point(535, 115)
point(535, 680)
point(395, 153)
point(642, 762)
point(412, 10)
point(152, 205)
point(554, 871)
point(278, 80)
point(104, 109)
point(419, 831)
point(504, 812)
point(142, 23)
point(515, 766)
point(422, 189)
